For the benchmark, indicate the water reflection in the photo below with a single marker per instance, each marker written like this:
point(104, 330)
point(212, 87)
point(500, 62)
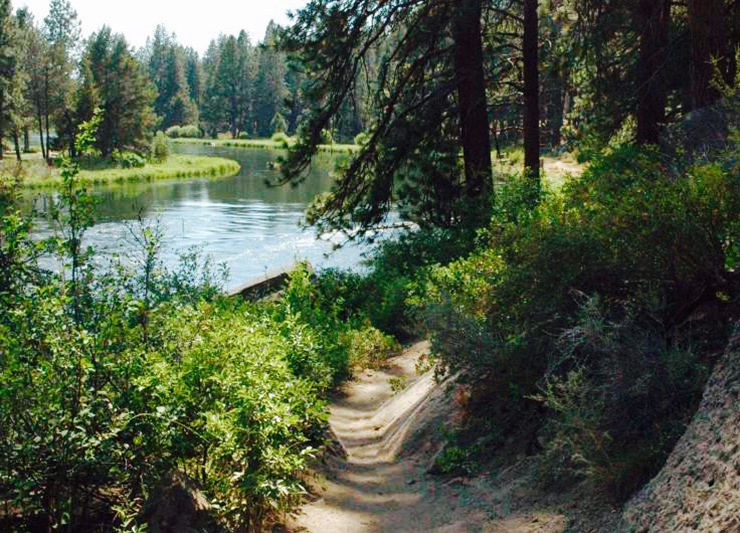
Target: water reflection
point(240, 221)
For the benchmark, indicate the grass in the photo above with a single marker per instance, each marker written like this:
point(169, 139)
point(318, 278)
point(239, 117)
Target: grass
point(36, 174)
point(265, 144)
point(556, 170)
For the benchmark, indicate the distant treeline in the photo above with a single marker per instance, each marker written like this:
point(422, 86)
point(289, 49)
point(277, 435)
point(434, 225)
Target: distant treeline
point(52, 80)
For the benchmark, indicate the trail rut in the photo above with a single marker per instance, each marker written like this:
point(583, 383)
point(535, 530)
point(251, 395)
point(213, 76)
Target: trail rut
point(383, 485)
point(390, 441)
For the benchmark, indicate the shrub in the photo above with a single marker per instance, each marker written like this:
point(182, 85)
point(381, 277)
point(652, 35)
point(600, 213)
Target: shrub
point(116, 380)
point(128, 159)
point(622, 394)
point(190, 131)
point(280, 137)
point(243, 135)
point(160, 149)
point(173, 132)
point(627, 232)
point(362, 138)
point(327, 137)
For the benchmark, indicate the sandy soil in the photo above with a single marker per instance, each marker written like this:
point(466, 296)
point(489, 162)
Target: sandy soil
point(382, 485)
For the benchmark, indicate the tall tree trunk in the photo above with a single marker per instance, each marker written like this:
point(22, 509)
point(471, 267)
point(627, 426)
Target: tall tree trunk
point(26, 139)
point(653, 19)
point(41, 135)
point(531, 94)
point(708, 42)
point(471, 94)
point(17, 143)
point(2, 123)
point(46, 95)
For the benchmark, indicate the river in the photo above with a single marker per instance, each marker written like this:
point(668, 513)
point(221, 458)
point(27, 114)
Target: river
point(239, 221)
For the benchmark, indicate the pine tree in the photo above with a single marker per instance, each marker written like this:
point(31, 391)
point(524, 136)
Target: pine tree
point(128, 114)
point(272, 90)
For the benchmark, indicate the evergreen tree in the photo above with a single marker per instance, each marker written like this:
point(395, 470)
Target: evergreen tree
point(272, 90)
point(7, 67)
point(128, 114)
point(62, 32)
point(166, 62)
point(430, 86)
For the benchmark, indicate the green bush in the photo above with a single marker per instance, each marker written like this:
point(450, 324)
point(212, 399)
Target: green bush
point(160, 149)
point(636, 237)
point(116, 380)
point(128, 159)
point(280, 137)
point(190, 131)
point(622, 394)
point(361, 138)
point(243, 135)
point(173, 132)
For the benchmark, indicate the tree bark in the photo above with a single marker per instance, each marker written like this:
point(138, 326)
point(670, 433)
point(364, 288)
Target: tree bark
point(471, 93)
point(2, 123)
point(41, 136)
point(708, 42)
point(531, 94)
point(26, 139)
point(17, 143)
point(653, 19)
point(46, 94)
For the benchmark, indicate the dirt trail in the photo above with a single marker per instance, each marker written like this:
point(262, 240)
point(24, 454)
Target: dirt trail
point(383, 486)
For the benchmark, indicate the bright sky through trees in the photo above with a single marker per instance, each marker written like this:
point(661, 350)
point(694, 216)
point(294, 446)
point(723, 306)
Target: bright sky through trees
point(195, 23)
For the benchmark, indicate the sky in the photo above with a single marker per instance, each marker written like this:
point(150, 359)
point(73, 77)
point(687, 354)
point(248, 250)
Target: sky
point(194, 22)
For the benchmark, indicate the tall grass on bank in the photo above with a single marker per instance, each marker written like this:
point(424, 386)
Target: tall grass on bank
point(36, 174)
point(265, 144)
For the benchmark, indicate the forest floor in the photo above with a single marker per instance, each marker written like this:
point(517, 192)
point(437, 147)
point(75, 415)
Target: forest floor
point(381, 483)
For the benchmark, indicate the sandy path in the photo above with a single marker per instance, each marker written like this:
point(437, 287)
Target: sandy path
point(383, 485)
point(380, 487)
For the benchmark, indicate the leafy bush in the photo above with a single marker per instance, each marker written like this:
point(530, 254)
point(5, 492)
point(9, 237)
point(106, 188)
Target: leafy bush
point(345, 339)
point(327, 137)
point(160, 149)
point(280, 137)
point(191, 131)
point(115, 381)
point(622, 394)
point(128, 159)
point(637, 238)
point(243, 135)
point(173, 132)
point(361, 138)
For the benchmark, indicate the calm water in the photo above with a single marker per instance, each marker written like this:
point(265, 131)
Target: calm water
point(238, 221)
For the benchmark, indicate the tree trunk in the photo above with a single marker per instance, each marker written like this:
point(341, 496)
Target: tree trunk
point(17, 143)
point(653, 19)
point(26, 139)
point(708, 43)
point(41, 136)
point(471, 93)
point(531, 95)
point(2, 124)
point(46, 94)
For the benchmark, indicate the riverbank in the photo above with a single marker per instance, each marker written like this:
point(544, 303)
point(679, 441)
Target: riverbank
point(36, 174)
point(264, 144)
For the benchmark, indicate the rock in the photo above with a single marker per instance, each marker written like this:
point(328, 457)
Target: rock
point(699, 487)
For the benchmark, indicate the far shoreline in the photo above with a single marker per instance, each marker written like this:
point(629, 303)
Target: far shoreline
point(177, 166)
